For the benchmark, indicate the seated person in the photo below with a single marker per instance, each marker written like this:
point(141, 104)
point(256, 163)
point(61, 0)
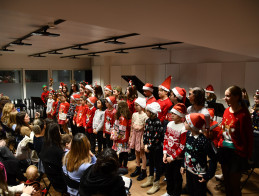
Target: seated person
point(102, 178)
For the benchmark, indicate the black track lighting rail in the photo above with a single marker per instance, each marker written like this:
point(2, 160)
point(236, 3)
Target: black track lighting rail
point(79, 46)
point(19, 41)
point(121, 50)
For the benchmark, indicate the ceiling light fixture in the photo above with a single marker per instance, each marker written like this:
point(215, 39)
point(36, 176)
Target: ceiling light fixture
point(78, 48)
point(159, 48)
point(55, 52)
point(93, 54)
point(20, 43)
point(45, 33)
point(74, 57)
point(39, 55)
point(114, 41)
point(6, 49)
point(121, 52)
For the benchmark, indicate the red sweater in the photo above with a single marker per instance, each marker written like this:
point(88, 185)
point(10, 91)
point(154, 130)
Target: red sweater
point(54, 108)
point(215, 133)
point(63, 109)
point(121, 126)
point(109, 118)
point(150, 99)
point(44, 96)
point(237, 128)
point(164, 106)
point(131, 105)
point(89, 119)
point(174, 140)
point(81, 115)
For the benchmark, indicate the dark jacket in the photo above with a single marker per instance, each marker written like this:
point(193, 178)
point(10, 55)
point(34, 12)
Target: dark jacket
point(93, 182)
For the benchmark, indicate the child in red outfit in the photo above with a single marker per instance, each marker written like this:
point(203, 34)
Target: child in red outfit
point(89, 122)
point(120, 133)
point(174, 143)
point(109, 118)
point(80, 117)
point(215, 132)
point(62, 113)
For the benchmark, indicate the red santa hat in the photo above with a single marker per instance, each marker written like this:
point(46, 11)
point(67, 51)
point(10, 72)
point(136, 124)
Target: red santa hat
point(108, 87)
point(209, 89)
point(141, 102)
point(76, 97)
point(179, 109)
point(89, 87)
point(212, 113)
point(180, 93)
point(148, 87)
point(196, 121)
point(166, 84)
point(111, 100)
point(153, 107)
point(92, 100)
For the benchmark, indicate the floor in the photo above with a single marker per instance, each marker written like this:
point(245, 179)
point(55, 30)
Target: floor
point(251, 188)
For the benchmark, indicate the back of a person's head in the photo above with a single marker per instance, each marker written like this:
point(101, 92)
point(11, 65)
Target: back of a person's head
point(199, 96)
point(107, 162)
point(52, 135)
point(32, 173)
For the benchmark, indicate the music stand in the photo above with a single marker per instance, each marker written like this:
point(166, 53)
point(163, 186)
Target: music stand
point(37, 101)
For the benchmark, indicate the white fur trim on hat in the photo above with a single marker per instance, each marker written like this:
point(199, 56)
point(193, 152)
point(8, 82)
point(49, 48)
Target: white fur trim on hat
point(109, 101)
point(208, 91)
point(164, 88)
point(189, 121)
point(141, 101)
point(153, 107)
point(177, 94)
point(148, 89)
point(89, 88)
point(177, 112)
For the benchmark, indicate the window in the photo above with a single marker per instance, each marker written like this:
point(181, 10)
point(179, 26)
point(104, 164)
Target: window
point(83, 75)
point(61, 76)
point(35, 79)
point(11, 83)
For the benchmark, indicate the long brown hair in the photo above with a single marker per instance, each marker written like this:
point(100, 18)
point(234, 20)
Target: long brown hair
point(79, 153)
point(133, 94)
point(7, 109)
point(123, 110)
point(236, 91)
point(20, 121)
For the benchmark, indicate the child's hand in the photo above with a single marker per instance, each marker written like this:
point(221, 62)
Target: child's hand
point(164, 158)
point(182, 170)
point(28, 190)
point(202, 179)
point(169, 160)
point(74, 122)
point(37, 115)
point(2, 143)
point(146, 149)
point(94, 131)
point(104, 135)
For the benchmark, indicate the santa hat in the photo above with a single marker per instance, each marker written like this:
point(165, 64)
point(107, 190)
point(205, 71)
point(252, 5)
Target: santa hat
point(111, 100)
point(92, 100)
point(166, 84)
point(148, 87)
point(141, 102)
point(196, 121)
point(153, 107)
point(44, 86)
point(180, 93)
point(130, 83)
point(108, 87)
point(257, 92)
point(212, 113)
point(209, 89)
point(76, 97)
point(52, 92)
point(179, 109)
point(89, 88)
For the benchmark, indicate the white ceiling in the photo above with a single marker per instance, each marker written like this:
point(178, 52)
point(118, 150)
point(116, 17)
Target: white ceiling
point(230, 26)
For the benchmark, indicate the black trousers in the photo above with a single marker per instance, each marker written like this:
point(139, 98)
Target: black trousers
point(101, 141)
point(108, 142)
point(73, 127)
point(123, 159)
point(195, 188)
point(174, 178)
point(91, 137)
point(155, 161)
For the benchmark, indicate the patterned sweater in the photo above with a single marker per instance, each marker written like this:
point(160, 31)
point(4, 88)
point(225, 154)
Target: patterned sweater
point(197, 149)
point(154, 134)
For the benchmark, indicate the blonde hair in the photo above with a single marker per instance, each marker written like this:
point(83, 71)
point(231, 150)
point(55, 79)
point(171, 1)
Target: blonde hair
point(65, 139)
point(8, 107)
point(32, 173)
point(12, 119)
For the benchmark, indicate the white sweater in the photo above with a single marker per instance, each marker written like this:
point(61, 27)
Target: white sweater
point(98, 120)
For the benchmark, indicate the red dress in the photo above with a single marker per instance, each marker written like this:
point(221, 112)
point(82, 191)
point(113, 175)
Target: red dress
point(131, 105)
point(44, 96)
point(89, 119)
point(109, 118)
point(81, 115)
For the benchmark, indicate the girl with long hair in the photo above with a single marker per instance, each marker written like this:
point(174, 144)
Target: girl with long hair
point(76, 161)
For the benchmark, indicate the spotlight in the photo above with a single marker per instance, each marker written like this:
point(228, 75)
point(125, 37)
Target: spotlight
point(121, 52)
point(114, 41)
point(38, 55)
point(55, 52)
point(93, 54)
point(45, 33)
point(6, 49)
point(159, 48)
point(20, 43)
point(78, 48)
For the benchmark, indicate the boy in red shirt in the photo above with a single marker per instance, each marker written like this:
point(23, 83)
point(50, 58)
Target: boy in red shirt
point(109, 118)
point(79, 118)
point(62, 113)
point(148, 92)
point(89, 122)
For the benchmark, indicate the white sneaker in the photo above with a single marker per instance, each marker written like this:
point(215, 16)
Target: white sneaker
point(219, 177)
point(166, 194)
